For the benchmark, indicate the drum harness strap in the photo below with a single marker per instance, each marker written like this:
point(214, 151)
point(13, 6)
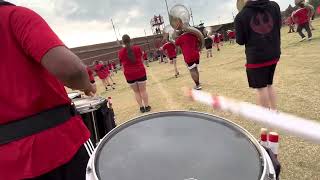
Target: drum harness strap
point(37, 123)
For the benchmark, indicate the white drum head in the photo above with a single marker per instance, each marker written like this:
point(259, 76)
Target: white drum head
point(178, 145)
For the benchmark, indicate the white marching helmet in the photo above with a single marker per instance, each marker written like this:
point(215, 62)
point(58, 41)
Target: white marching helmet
point(297, 2)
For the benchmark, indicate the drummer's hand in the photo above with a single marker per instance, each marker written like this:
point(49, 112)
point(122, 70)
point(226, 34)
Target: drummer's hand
point(91, 91)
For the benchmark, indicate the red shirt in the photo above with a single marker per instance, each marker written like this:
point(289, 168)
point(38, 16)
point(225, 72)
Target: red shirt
point(132, 71)
point(90, 73)
point(289, 21)
point(216, 39)
point(28, 88)
point(189, 45)
point(301, 16)
point(231, 34)
point(102, 71)
point(145, 56)
point(221, 37)
point(171, 49)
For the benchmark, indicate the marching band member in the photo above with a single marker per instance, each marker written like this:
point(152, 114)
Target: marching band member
point(262, 46)
point(301, 17)
point(231, 36)
point(104, 74)
point(216, 40)
point(135, 73)
point(208, 44)
point(145, 58)
point(169, 48)
point(190, 46)
point(221, 38)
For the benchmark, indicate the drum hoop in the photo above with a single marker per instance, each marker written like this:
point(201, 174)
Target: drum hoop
point(89, 107)
point(74, 93)
point(136, 120)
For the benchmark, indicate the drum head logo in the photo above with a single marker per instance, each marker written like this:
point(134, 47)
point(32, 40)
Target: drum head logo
point(262, 23)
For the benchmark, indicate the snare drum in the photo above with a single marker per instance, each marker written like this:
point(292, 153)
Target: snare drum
point(181, 146)
point(96, 115)
point(74, 95)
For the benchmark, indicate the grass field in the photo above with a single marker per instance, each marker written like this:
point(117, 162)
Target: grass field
point(297, 82)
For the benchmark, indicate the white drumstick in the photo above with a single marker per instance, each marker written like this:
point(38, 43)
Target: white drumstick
point(300, 127)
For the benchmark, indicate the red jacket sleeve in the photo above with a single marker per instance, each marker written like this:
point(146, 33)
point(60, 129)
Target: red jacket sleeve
point(33, 33)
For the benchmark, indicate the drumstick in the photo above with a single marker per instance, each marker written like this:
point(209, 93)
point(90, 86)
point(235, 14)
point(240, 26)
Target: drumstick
point(293, 125)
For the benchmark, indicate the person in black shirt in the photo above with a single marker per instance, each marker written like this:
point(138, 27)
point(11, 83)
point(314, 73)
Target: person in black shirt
point(258, 27)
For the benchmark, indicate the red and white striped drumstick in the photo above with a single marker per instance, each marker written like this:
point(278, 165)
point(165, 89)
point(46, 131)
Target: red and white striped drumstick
point(293, 125)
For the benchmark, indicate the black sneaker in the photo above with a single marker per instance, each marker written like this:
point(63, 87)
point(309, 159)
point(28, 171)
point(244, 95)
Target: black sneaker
point(142, 110)
point(148, 108)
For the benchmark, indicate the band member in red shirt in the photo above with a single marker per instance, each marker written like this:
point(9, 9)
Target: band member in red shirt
point(301, 18)
point(190, 46)
point(170, 50)
point(290, 23)
point(231, 36)
point(114, 65)
point(41, 136)
point(104, 74)
point(110, 67)
point(145, 58)
point(221, 38)
point(135, 73)
point(216, 40)
point(91, 77)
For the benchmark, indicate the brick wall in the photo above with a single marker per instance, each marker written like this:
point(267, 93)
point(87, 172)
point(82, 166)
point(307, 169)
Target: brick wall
point(109, 51)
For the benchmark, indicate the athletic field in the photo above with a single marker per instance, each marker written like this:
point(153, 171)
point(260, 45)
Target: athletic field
point(297, 82)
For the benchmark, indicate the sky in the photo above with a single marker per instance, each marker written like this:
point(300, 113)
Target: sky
point(86, 22)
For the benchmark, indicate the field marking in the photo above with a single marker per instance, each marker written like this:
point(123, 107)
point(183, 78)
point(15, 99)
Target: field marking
point(173, 105)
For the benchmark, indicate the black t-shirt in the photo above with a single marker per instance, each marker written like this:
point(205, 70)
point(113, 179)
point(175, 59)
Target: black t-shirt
point(258, 28)
point(208, 43)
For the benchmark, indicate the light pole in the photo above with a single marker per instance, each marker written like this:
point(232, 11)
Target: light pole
point(115, 31)
point(167, 9)
point(191, 16)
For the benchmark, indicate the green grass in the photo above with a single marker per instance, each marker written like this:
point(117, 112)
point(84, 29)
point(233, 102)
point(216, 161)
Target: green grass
point(297, 82)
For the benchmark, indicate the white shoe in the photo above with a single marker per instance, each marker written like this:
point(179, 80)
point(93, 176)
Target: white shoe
point(309, 39)
point(303, 39)
point(198, 87)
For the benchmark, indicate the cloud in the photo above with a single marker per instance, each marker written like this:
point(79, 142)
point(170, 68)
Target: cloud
point(83, 22)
